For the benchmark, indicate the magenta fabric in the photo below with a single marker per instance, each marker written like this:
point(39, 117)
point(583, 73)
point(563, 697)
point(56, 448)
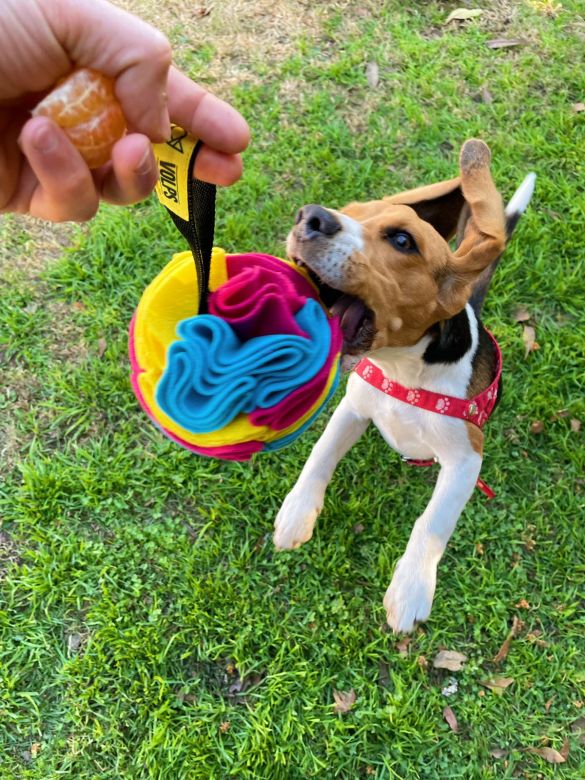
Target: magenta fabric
point(237, 263)
point(295, 405)
point(258, 302)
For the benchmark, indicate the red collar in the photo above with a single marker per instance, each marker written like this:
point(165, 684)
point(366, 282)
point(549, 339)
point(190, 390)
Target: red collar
point(476, 410)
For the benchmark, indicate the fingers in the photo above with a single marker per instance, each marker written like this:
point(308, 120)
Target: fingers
point(57, 184)
point(205, 116)
point(99, 35)
point(132, 173)
point(218, 168)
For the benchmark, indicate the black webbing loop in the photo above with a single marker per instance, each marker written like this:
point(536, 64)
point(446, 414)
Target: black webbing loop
point(199, 230)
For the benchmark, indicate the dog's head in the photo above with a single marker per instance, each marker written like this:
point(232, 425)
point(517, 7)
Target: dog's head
point(386, 267)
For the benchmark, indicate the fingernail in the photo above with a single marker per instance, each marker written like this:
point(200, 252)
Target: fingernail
point(45, 140)
point(146, 165)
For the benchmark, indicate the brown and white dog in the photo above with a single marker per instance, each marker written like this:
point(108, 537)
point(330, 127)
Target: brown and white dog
point(412, 304)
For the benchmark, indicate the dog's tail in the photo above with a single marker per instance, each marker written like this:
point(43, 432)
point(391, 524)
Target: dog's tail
point(514, 210)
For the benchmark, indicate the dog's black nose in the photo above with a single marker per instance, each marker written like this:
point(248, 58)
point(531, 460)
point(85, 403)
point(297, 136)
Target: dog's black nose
point(317, 221)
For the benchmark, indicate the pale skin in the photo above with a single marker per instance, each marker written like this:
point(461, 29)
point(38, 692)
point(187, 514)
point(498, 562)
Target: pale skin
point(41, 172)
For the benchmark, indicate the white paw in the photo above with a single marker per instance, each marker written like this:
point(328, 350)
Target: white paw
point(409, 598)
point(296, 519)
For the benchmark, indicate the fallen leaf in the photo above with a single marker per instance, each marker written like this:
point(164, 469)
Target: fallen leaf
point(383, 674)
point(73, 642)
point(497, 684)
point(449, 716)
point(529, 339)
point(502, 653)
point(462, 14)
point(479, 548)
point(373, 74)
point(575, 425)
point(521, 314)
point(549, 754)
point(422, 662)
point(561, 414)
point(522, 604)
point(578, 107)
point(578, 727)
point(79, 306)
point(344, 700)
point(402, 645)
point(202, 11)
point(449, 659)
point(224, 726)
point(537, 426)
point(506, 43)
point(564, 751)
point(498, 753)
point(102, 346)
point(548, 704)
point(34, 749)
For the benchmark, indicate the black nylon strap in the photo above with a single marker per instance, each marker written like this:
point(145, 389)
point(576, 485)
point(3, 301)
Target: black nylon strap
point(199, 230)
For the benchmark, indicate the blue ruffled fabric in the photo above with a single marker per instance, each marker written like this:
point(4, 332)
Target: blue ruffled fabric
point(211, 376)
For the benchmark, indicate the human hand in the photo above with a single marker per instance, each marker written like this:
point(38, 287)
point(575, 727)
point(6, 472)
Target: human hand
point(41, 172)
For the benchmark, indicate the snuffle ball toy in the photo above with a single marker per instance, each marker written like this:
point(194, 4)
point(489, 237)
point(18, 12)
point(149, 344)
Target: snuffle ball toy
point(231, 354)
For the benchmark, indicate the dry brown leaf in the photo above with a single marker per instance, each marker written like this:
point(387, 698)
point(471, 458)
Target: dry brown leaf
point(479, 548)
point(578, 727)
point(578, 107)
point(449, 659)
point(449, 716)
point(529, 339)
point(522, 604)
point(402, 645)
point(506, 43)
point(102, 346)
point(537, 426)
point(517, 626)
point(373, 74)
point(549, 754)
point(564, 751)
point(497, 684)
point(462, 14)
point(344, 700)
point(34, 749)
point(224, 726)
point(422, 662)
point(521, 314)
point(575, 425)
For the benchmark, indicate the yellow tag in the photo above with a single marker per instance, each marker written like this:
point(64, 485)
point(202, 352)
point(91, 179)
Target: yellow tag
point(172, 159)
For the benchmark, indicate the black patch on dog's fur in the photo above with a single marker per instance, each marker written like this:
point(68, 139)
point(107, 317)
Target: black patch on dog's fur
point(451, 340)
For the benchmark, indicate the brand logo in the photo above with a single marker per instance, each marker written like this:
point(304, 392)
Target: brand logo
point(168, 180)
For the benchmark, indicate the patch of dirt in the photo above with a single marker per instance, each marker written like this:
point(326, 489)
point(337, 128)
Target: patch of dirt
point(8, 553)
point(28, 245)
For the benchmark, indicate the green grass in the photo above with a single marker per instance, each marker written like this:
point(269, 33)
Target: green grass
point(147, 627)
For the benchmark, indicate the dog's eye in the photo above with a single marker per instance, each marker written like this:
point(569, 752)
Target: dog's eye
point(402, 241)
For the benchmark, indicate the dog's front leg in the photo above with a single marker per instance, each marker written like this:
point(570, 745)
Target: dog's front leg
point(410, 595)
point(296, 519)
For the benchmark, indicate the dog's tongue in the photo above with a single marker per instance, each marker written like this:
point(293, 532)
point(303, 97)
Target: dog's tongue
point(351, 312)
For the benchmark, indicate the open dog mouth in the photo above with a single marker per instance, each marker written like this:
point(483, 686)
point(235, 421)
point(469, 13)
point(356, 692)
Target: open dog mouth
point(355, 318)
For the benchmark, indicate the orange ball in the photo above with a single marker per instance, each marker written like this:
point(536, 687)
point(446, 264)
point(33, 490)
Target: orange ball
point(84, 105)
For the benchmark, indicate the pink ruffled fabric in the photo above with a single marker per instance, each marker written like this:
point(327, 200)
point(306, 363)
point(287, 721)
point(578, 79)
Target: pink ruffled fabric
point(256, 302)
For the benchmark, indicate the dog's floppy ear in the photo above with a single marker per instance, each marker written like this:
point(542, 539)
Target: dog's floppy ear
point(439, 204)
point(484, 237)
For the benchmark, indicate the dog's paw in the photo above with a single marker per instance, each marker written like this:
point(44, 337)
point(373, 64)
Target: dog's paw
point(409, 598)
point(295, 521)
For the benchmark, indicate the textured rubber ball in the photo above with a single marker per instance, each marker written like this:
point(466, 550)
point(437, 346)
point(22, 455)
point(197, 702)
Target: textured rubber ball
point(84, 105)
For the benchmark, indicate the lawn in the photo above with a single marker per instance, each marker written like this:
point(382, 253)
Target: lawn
point(147, 627)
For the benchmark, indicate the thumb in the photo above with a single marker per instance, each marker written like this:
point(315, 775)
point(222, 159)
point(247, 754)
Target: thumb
point(96, 34)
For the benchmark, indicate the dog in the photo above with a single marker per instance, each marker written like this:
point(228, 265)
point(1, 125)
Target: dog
point(411, 306)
